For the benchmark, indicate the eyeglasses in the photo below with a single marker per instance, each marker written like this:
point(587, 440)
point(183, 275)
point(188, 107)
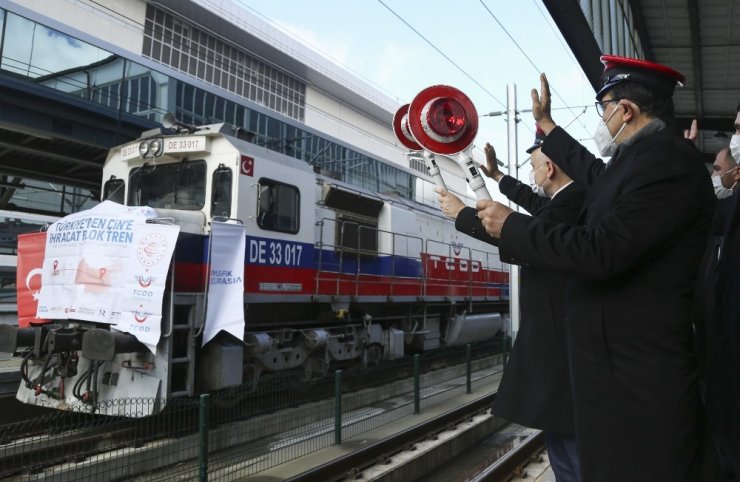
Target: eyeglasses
point(534, 168)
point(600, 106)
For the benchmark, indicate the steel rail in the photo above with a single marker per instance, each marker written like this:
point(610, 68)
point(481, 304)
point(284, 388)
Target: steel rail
point(366, 456)
point(502, 469)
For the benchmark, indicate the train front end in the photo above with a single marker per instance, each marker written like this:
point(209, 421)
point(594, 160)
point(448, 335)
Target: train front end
point(110, 328)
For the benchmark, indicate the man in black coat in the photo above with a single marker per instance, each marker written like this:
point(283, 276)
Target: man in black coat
point(720, 330)
point(535, 390)
point(632, 261)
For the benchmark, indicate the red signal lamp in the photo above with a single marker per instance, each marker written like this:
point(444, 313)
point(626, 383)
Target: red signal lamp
point(403, 134)
point(401, 128)
point(442, 119)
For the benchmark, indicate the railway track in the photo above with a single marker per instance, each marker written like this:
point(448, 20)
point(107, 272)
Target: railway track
point(94, 444)
point(355, 462)
point(366, 463)
point(512, 464)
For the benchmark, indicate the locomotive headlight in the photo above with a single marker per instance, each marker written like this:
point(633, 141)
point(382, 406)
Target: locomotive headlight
point(144, 149)
point(151, 148)
point(156, 147)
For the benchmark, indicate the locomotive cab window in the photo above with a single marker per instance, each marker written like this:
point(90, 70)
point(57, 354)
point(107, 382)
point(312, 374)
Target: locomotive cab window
point(278, 206)
point(179, 185)
point(113, 190)
point(221, 192)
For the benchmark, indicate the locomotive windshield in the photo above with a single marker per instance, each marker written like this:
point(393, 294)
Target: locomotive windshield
point(180, 185)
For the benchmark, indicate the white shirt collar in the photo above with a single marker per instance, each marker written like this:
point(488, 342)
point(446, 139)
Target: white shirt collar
point(561, 188)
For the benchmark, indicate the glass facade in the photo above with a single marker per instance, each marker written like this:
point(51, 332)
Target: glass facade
point(43, 51)
point(183, 46)
point(613, 25)
point(64, 63)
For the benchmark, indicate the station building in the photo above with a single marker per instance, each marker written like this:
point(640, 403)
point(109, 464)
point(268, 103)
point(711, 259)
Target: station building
point(205, 62)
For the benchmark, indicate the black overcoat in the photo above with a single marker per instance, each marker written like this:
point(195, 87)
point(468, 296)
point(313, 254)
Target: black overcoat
point(535, 389)
point(633, 260)
point(720, 330)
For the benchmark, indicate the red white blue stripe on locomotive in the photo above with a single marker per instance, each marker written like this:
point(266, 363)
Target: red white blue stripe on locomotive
point(274, 266)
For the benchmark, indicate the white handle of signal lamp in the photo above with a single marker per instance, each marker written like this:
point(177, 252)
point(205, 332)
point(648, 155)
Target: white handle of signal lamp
point(472, 174)
point(433, 168)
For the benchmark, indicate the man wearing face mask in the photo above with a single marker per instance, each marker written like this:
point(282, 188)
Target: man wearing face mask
point(725, 173)
point(632, 261)
point(718, 332)
point(535, 389)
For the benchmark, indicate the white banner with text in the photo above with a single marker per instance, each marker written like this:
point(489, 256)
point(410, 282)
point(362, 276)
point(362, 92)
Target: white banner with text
point(108, 265)
point(225, 303)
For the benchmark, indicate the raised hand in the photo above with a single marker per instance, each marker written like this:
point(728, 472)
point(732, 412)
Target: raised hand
point(541, 105)
point(693, 132)
point(491, 169)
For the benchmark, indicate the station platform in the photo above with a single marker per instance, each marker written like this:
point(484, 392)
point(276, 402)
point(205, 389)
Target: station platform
point(427, 459)
point(465, 449)
point(466, 466)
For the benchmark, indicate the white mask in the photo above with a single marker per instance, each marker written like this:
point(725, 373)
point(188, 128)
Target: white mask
point(537, 189)
point(735, 147)
point(603, 138)
point(719, 189)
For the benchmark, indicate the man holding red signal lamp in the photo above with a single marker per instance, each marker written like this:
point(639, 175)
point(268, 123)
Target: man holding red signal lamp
point(535, 390)
point(632, 259)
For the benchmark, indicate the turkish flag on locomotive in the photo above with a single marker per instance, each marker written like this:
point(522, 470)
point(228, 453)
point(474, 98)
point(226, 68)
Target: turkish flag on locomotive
point(31, 248)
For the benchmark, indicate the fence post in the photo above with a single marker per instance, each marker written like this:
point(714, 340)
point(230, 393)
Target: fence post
point(468, 369)
point(338, 407)
point(203, 438)
point(417, 401)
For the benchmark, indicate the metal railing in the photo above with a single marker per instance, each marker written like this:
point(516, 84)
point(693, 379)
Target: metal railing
point(402, 265)
point(241, 431)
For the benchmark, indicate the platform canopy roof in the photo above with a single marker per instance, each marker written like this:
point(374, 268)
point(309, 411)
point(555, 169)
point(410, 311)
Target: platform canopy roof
point(699, 38)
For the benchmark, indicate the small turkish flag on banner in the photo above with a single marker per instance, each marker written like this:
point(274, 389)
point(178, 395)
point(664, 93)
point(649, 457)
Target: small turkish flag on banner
point(31, 248)
point(247, 166)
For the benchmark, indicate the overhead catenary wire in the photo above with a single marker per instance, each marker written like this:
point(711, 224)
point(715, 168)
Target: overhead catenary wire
point(438, 50)
point(523, 53)
point(585, 108)
point(464, 72)
point(498, 113)
point(141, 27)
point(318, 49)
point(549, 24)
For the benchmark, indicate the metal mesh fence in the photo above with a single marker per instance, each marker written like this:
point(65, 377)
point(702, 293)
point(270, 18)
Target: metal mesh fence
point(80, 445)
point(237, 432)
